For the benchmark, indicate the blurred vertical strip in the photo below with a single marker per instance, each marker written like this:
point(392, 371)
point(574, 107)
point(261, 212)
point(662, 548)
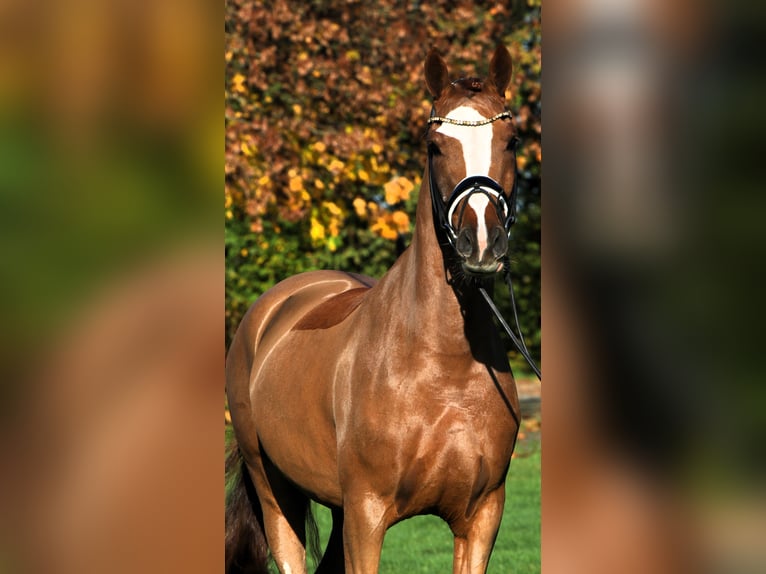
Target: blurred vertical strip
point(112, 286)
point(653, 245)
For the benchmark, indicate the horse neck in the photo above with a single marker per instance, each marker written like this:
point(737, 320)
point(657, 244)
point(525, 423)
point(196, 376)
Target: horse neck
point(451, 321)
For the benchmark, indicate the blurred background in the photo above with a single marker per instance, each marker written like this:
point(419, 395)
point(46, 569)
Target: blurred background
point(654, 392)
point(111, 289)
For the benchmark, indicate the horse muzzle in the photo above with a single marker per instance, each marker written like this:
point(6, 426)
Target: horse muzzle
point(482, 219)
point(481, 255)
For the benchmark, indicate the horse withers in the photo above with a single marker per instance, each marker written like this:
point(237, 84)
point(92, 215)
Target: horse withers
point(389, 399)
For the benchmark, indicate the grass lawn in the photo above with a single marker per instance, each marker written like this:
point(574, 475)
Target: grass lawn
point(424, 544)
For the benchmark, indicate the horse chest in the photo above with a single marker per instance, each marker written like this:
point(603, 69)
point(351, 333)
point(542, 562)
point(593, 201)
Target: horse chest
point(448, 468)
point(440, 454)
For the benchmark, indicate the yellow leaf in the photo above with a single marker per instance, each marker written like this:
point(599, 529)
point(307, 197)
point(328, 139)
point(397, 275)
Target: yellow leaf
point(360, 206)
point(296, 184)
point(391, 190)
point(238, 82)
point(317, 229)
point(388, 233)
point(406, 188)
point(382, 227)
point(365, 76)
point(320, 147)
point(363, 175)
point(398, 189)
point(332, 208)
point(401, 220)
point(336, 166)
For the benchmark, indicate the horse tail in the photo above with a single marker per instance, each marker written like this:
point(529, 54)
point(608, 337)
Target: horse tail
point(246, 549)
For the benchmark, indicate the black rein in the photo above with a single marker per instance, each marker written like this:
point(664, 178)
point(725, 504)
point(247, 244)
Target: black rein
point(440, 210)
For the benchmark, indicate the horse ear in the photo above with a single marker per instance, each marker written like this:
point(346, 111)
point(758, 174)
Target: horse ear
point(500, 69)
point(437, 74)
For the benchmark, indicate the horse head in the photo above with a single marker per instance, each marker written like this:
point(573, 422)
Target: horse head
point(472, 161)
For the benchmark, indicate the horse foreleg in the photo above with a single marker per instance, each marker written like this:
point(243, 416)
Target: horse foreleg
point(474, 540)
point(364, 526)
point(458, 557)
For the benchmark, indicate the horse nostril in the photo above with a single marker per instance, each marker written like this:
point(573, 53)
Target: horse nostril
point(464, 244)
point(499, 242)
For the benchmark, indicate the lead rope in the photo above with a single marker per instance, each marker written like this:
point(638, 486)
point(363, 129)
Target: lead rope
point(518, 341)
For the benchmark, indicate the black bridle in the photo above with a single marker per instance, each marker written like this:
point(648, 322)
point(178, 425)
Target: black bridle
point(443, 213)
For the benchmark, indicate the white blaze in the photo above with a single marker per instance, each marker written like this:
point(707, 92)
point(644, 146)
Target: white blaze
point(479, 202)
point(476, 142)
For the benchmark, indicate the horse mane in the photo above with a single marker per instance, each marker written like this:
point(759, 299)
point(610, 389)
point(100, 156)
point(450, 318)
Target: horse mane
point(471, 84)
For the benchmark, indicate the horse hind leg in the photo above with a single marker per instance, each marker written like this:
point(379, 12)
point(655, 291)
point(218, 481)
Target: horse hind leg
point(285, 510)
point(333, 561)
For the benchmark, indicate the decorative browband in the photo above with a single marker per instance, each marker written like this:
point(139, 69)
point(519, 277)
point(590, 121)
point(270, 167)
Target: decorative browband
point(440, 120)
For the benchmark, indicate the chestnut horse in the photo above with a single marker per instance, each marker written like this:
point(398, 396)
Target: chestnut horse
point(390, 399)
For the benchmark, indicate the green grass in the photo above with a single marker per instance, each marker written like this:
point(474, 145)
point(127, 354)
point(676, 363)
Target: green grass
point(423, 544)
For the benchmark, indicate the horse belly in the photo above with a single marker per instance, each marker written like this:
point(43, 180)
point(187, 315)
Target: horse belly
point(279, 382)
point(292, 408)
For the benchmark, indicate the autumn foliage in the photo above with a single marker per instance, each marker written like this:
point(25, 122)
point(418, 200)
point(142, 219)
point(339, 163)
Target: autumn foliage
point(325, 113)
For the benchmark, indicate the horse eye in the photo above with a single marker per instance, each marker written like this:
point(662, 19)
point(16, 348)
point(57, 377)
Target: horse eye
point(512, 143)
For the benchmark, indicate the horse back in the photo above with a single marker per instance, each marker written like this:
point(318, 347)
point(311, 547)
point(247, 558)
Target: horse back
point(315, 299)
